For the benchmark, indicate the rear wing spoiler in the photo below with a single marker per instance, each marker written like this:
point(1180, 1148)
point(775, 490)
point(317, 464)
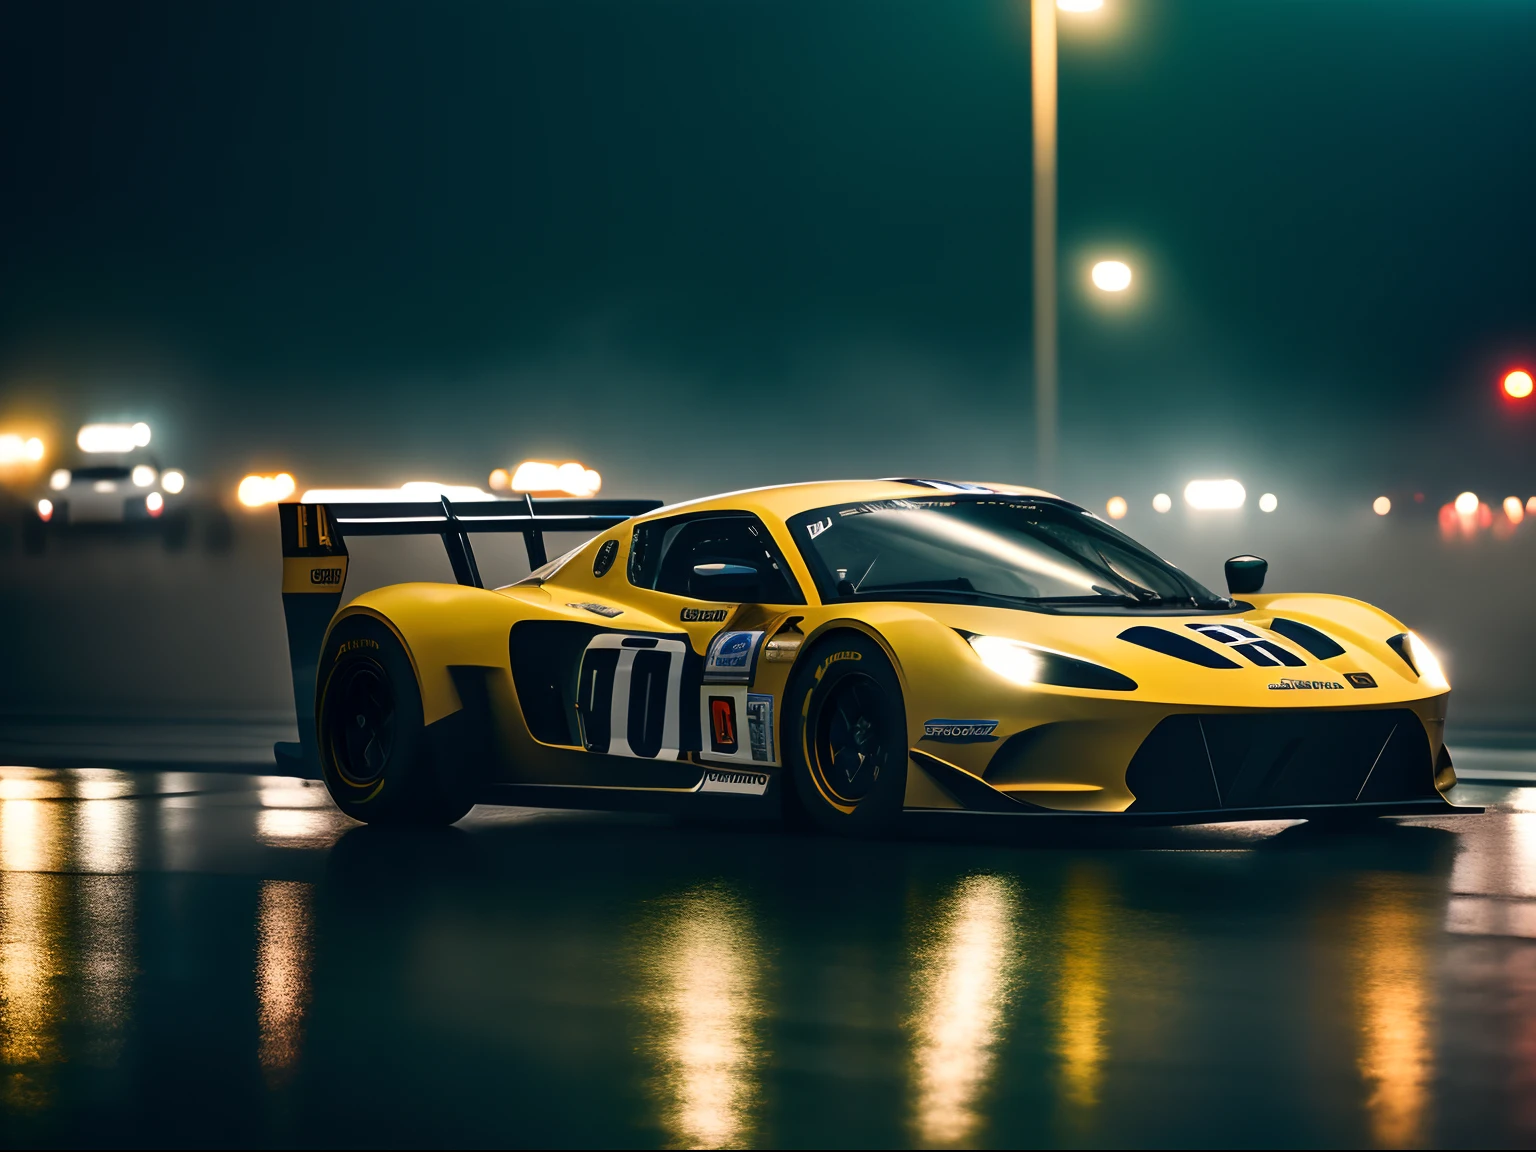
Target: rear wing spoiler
point(315, 567)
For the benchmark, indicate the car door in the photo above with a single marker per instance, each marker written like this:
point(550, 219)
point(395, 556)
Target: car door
point(660, 696)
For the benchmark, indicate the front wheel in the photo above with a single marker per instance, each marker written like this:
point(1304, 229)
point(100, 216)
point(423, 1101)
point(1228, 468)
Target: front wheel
point(847, 745)
point(374, 752)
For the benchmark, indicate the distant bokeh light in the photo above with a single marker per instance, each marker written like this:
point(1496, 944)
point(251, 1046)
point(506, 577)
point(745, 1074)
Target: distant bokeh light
point(1214, 495)
point(1518, 384)
point(155, 503)
point(16, 449)
point(537, 477)
point(1514, 509)
point(1466, 504)
point(1268, 502)
point(1111, 276)
point(115, 438)
point(501, 480)
point(1381, 505)
point(1162, 502)
point(1530, 506)
point(1117, 507)
point(258, 491)
point(173, 481)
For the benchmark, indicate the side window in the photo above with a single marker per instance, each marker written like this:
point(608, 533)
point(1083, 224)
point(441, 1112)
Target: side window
point(664, 553)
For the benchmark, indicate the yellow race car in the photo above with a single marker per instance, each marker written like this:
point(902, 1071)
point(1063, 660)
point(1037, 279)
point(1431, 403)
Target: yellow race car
point(842, 653)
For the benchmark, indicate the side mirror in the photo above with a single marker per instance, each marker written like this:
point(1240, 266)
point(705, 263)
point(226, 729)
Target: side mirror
point(730, 583)
point(1246, 574)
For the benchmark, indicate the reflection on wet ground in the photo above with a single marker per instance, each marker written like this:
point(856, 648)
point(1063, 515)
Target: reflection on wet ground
point(217, 959)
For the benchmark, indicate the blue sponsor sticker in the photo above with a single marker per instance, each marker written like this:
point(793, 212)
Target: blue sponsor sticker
point(959, 731)
point(731, 656)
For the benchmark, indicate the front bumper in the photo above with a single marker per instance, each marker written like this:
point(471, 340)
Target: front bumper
point(1207, 765)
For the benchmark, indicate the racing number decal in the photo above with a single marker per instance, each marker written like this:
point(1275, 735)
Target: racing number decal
point(628, 695)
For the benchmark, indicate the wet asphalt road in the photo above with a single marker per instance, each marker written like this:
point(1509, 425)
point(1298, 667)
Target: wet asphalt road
point(221, 959)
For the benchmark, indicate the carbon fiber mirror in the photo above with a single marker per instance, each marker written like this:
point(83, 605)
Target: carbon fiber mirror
point(1246, 574)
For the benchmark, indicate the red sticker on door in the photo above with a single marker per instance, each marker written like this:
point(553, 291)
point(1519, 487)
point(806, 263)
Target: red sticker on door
point(722, 724)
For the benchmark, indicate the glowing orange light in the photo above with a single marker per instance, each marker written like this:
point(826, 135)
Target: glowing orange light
point(1513, 509)
point(500, 480)
point(1117, 507)
point(1381, 505)
point(256, 491)
point(1518, 384)
point(542, 479)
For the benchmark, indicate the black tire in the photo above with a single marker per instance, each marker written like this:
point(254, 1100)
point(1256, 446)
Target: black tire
point(374, 752)
point(846, 738)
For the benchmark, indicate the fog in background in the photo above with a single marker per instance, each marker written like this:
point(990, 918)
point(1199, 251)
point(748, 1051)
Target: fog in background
point(702, 246)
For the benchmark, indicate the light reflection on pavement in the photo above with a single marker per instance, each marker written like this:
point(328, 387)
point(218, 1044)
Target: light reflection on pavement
point(219, 959)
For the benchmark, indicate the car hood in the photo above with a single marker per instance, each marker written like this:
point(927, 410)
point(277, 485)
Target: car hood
point(1167, 654)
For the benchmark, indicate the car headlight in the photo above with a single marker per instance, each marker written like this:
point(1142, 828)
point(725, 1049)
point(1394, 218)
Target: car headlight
point(173, 481)
point(60, 479)
point(143, 476)
point(1026, 665)
point(1421, 658)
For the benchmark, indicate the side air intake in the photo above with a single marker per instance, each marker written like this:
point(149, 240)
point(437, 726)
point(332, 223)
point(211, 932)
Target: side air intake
point(1179, 647)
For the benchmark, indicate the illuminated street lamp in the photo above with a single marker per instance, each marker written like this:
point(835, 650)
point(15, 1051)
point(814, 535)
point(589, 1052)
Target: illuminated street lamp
point(1111, 276)
point(1042, 45)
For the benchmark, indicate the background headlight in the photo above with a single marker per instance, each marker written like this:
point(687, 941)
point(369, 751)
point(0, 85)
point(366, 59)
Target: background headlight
point(173, 481)
point(1024, 664)
point(59, 480)
point(143, 476)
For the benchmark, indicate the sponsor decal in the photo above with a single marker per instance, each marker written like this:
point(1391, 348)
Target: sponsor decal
point(730, 657)
point(702, 615)
point(600, 609)
point(1360, 679)
point(722, 724)
point(730, 780)
point(326, 575)
point(1287, 684)
point(959, 731)
point(353, 645)
point(760, 725)
point(816, 528)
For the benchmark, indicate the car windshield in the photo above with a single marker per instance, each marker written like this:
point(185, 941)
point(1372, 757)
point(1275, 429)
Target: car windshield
point(101, 472)
point(1010, 550)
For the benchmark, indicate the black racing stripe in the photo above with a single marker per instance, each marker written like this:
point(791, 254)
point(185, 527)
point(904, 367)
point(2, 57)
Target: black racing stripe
point(1177, 646)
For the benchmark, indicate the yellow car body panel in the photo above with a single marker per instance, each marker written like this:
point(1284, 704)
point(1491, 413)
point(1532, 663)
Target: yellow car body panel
point(1053, 748)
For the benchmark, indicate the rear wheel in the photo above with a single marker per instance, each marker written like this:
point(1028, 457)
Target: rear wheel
point(374, 752)
point(847, 748)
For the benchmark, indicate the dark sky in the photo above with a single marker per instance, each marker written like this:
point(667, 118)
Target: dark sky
point(704, 243)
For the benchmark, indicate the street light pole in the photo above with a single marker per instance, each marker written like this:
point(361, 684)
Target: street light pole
point(1042, 46)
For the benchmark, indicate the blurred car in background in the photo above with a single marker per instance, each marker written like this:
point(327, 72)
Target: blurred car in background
point(116, 484)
